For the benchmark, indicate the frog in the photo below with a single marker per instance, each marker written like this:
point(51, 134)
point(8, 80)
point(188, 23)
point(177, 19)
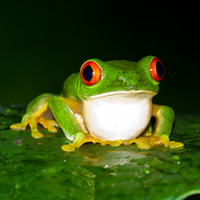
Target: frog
point(109, 103)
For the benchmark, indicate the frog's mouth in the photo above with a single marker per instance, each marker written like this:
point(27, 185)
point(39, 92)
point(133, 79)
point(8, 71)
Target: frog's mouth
point(118, 115)
point(131, 93)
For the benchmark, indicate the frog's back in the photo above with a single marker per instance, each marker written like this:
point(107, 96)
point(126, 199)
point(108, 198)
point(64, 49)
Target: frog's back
point(70, 86)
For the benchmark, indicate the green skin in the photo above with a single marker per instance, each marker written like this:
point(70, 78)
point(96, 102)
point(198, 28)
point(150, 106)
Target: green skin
point(119, 75)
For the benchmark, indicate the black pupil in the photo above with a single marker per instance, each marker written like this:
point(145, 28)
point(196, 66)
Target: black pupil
point(160, 69)
point(88, 73)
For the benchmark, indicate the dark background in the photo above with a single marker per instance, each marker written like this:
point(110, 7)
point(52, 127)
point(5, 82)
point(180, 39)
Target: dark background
point(43, 42)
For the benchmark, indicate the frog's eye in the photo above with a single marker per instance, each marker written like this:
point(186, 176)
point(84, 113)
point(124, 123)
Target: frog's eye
point(90, 73)
point(157, 69)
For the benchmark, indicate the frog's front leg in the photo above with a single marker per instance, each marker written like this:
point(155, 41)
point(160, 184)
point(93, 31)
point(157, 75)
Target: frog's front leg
point(65, 116)
point(164, 118)
point(34, 115)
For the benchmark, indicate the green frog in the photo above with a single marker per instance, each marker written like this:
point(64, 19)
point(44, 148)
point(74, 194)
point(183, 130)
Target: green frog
point(107, 103)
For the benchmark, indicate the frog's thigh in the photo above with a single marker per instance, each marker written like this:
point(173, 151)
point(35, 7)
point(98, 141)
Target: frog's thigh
point(38, 105)
point(64, 116)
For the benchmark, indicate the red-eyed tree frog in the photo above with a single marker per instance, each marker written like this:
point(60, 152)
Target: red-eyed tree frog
point(108, 103)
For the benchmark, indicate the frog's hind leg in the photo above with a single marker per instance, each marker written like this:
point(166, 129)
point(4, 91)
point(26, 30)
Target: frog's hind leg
point(34, 115)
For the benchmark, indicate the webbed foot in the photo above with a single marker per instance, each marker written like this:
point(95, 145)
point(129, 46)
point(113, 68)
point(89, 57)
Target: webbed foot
point(68, 147)
point(37, 135)
point(175, 145)
point(32, 121)
point(151, 141)
point(79, 139)
point(18, 126)
point(48, 124)
point(82, 138)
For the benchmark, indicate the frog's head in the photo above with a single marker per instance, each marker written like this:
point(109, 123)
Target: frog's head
point(98, 78)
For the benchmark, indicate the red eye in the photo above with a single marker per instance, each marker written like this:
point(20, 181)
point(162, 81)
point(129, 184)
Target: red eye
point(90, 73)
point(157, 69)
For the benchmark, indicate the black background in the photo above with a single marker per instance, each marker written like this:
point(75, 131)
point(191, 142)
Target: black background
point(43, 42)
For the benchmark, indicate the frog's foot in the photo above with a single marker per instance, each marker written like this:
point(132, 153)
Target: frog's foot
point(115, 143)
point(175, 145)
point(48, 123)
point(36, 134)
point(151, 141)
point(79, 140)
point(18, 126)
point(82, 138)
point(34, 131)
point(32, 121)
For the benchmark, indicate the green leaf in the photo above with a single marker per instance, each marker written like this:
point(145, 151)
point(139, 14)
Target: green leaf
point(39, 169)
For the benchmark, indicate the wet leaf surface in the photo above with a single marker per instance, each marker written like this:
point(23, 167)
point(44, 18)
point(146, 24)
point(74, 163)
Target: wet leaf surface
point(39, 169)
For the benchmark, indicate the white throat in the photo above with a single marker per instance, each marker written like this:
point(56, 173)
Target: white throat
point(118, 115)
